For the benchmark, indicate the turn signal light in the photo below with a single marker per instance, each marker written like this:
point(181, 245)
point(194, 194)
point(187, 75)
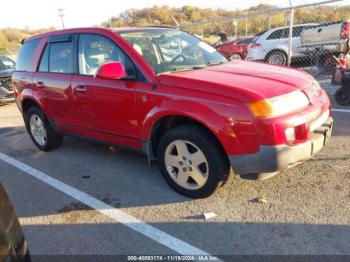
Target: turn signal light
point(261, 108)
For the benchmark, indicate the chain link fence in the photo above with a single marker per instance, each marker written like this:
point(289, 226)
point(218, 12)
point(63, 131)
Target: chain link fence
point(310, 37)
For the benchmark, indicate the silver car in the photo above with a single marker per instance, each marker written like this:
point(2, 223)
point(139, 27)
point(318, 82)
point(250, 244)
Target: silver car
point(7, 67)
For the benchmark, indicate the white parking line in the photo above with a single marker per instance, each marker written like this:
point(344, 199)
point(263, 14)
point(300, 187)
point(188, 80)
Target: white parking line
point(133, 223)
point(341, 110)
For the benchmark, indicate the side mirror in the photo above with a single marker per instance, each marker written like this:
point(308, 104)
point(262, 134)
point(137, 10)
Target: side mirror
point(112, 71)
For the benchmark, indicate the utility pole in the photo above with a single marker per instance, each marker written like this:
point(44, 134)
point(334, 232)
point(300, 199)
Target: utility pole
point(61, 15)
point(235, 24)
point(246, 24)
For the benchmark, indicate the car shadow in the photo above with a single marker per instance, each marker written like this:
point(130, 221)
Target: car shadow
point(230, 241)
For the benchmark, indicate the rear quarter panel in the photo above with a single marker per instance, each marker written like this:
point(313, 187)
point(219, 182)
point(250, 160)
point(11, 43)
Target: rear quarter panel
point(322, 34)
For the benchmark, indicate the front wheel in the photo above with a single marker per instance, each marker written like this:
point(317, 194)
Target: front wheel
point(191, 161)
point(236, 56)
point(342, 96)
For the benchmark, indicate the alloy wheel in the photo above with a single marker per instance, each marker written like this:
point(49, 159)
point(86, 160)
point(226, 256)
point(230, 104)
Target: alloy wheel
point(38, 129)
point(277, 58)
point(186, 164)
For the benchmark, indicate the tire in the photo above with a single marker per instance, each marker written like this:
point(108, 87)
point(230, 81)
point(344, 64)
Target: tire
point(236, 56)
point(203, 167)
point(42, 134)
point(342, 96)
point(277, 57)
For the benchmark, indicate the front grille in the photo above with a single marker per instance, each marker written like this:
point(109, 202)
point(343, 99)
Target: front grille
point(11, 95)
point(6, 83)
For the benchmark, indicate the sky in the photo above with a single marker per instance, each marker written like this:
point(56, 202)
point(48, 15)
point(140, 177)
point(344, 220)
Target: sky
point(35, 14)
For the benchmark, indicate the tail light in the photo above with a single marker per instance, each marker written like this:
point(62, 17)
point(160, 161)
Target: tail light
point(255, 45)
point(345, 31)
point(342, 62)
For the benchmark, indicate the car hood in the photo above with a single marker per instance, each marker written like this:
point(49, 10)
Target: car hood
point(242, 80)
point(6, 73)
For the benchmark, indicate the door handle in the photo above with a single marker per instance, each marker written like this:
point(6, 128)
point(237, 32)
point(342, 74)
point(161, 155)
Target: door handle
point(80, 89)
point(40, 84)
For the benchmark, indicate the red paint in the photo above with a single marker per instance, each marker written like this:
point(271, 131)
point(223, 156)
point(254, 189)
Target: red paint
point(232, 47)
point(125, 111)
point(112, 71)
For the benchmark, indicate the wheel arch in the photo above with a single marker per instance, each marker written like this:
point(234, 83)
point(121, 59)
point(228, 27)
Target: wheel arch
point(168, 121)
point(29, 102)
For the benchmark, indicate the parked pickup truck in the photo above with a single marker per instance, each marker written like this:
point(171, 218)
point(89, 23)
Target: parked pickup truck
point(327, 38)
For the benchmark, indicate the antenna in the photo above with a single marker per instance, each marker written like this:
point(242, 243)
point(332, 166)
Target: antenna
point(175, 21)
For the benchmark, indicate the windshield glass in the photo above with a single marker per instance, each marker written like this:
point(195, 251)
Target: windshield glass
point(6, 63)
point(171, 50)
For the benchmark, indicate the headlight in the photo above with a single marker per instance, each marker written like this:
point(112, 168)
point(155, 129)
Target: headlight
point(279, 105)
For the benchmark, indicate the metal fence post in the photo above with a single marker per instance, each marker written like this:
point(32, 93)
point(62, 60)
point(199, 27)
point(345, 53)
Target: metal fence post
point(290, 37)
point(246, 25)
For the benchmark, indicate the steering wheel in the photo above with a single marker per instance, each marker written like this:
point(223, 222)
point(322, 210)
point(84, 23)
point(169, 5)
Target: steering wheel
point(177, 57)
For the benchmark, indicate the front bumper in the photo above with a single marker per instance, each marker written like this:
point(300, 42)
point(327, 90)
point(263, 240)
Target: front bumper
point(272, 159)
point(6, 96)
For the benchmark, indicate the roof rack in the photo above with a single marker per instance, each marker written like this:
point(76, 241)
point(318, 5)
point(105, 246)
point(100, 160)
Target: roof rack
point(161, 26)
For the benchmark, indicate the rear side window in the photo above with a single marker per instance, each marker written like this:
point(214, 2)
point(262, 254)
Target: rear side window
point(61, 58)
point(278, 34)
point(246, 41)
point(25, 61)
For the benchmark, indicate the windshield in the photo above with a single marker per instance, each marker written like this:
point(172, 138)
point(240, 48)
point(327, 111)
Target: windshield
point(6, 63)
point(171, 50)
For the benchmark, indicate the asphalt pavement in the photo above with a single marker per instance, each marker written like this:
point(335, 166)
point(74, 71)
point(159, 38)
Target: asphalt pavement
point(91, 199)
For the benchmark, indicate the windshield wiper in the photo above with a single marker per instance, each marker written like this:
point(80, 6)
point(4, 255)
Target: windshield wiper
point(196, 67)
point(212, 63)
point(178, 69)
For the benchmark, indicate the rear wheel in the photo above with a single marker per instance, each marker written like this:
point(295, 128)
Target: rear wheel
point(277, 57)
point(191, 161)
point(236, 56)
point(43, 136)
point(342, 96)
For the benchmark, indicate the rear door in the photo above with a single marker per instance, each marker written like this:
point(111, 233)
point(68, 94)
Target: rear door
point(53, 79)
point(278, 39)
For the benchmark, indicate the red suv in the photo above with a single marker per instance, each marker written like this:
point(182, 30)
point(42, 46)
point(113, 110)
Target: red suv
point(173, 97)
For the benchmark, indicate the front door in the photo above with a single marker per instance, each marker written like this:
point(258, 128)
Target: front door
point(106, 108)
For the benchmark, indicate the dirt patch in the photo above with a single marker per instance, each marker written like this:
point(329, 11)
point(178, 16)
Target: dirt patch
point(78, 206)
